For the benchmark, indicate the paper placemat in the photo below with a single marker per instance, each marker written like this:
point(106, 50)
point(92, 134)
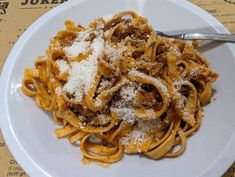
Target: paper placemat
point(17, 15)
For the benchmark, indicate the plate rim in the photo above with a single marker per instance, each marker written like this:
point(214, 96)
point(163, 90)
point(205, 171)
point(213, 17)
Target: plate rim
point(217, 168)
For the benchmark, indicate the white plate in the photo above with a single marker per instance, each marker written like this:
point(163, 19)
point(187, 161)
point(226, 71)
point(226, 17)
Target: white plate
point(29, 131)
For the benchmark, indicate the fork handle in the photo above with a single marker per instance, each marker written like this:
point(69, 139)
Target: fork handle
point(207, 36)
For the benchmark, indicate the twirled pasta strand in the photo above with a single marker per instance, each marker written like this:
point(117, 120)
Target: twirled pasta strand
point(146, 95)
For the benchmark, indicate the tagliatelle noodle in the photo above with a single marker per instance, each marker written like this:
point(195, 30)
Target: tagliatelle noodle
point(116, 87)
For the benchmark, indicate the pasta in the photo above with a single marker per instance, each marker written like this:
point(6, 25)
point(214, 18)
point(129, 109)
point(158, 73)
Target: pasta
point(116, 87)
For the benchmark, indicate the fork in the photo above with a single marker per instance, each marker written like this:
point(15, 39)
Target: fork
point(200, 36)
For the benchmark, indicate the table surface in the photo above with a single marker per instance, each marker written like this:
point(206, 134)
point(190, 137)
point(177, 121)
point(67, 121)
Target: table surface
point(11, 12)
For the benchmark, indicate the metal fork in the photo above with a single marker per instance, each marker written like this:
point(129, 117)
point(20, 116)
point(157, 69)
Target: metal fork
point(200, 36)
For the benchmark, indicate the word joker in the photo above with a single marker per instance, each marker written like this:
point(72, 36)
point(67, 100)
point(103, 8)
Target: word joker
point(36, 2)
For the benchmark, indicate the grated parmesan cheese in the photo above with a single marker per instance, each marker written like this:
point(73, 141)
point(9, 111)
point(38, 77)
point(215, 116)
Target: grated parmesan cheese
point(114, 53)
point(103, 118)
point(123, 106)
point(104, 83)
point(63, 66)
point(140, 133)
point(81, 74)
point(79, 45)
point(136, 136)
point(83, 125)
point(128, 93)
point(125, 114)
point(83, 35)
point(76, 48)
